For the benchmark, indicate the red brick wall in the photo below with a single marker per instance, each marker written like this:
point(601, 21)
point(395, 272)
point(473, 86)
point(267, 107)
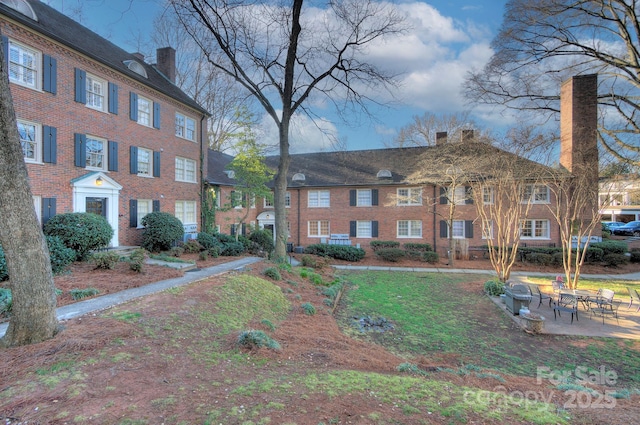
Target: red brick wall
point(69, 117)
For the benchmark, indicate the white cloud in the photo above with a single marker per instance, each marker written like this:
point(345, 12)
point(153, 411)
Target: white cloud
point(305, 135)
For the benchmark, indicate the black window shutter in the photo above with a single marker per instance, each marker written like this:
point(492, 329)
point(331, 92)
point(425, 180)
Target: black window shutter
point(48, 209)
point(353, 230)
point(133, 160)
point(49, 74)
point(49, 144)
point(352, 198)
point(156, 115)
point(5, 50)
point(81, 86)
point(444, 229)
point(374, 229)
point(133, 213)
point(469, 195)
point(244, 229)
point(233, 230)
point(156, 205)
point(156, 164)
point(443, 196)
point(133, 106)
point(468, 229)
point(113, 98)
point(113, 156)
point(374, 197)
point(234, 202)
point(80, 150)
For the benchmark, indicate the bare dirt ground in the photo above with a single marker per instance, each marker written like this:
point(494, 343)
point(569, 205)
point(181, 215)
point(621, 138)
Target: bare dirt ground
point(148, 368)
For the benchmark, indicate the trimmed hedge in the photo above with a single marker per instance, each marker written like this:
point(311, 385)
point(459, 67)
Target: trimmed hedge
point(611, 247)
point(390, 254)
point(376, 245)
point(161, 231)
point(339, 252)
point(421, 247)
point(82, 232)
point(430, 257)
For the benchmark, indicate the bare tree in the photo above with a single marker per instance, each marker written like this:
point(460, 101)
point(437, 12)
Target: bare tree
point(33, 317)
point(577, 213)
point(542, 43)
point(283, 56)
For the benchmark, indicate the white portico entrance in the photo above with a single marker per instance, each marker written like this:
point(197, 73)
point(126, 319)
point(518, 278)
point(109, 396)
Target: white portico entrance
point(97, 193)
point(267, 220)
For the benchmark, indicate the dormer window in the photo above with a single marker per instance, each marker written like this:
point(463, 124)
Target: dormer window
point(21, 6)
point(136, 67)
point(298, 177)
point(384, 174)
point(230, 174)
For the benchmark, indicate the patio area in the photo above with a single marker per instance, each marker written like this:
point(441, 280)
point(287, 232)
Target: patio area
point(587, 324)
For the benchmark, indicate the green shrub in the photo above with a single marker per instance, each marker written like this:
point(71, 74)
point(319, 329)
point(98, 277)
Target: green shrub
point(431, 257)
point(556, 258)
point(376, 245)
point(414, 255)
point(78, 294)
point(539, 258)
point(232, 249)
point(161, 231)
point(263, 238)
point(339, 252)
point(204, 255)
point(224, 238)
point(176, 251)
point(136, 260)
point(6, 301)
point(214, 251)
point(309, 261)
point(611, 247)
point(273, 273)
point(494, 288)
point(257, 339)
point(3, 266)
point(635, 256)
point(81, 232)
point(615, 260)
point(105, 260)
point(308, 309)
point(207, 241)
point(59, 255)
point(594, 255)
point(246, 243)
point(421, 247)
point(192, 246)
point(390, 254)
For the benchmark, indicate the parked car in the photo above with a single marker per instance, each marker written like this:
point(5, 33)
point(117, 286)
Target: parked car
point(610, 225)
point(632, 228)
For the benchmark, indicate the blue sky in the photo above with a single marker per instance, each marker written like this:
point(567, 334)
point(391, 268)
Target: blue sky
point(448, 39)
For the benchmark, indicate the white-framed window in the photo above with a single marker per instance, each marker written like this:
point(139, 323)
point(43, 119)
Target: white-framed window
point(185, 127)
point(363, 198)
point(236, 199)
point(319, 199)
point(185, 170)
point(96, 153)
point(145, 206)
point(536, 194)
point(96, 92)
point(409, 196)
point(487, 229)
point(318, 228)
point(145, 111)
point(24, 65)
point(457, 229)
point(487, 195)
point(459, 195)
point(145, 162)
point(186, 211)
point(534, 229)
point(409, 229)
point(268, 203)
point(31, 140)
point(363, 229)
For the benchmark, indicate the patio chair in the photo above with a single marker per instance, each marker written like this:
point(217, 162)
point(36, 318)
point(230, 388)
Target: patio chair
point(535, 291)
point(604, 310)
point(635, 296)
point(567, 303)
point(557, 285)
point(603, 297)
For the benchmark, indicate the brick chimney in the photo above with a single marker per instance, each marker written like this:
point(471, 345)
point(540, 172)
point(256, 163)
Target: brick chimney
point(441, 138)
point(578, 125)
point(166, 62)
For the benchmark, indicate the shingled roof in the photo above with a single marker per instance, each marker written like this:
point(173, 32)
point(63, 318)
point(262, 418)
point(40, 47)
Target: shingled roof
point(70, 33)
point(409, 165)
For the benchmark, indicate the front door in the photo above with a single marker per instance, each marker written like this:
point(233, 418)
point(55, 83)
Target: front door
point(96, 206)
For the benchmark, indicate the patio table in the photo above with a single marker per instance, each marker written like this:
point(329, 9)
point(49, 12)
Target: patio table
point(582, 295)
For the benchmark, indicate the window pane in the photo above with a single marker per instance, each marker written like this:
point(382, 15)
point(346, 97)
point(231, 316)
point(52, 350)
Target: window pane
point(403, 228)
point(95, 95)
point(415, 228)
point(364, 198)
point(95, 153)
point(23, 65)
point(144, 162)
point(458, 229)
point(179, 125)
point(364, 229)
point(28, 140)
point(144, 111)
point(191, 129)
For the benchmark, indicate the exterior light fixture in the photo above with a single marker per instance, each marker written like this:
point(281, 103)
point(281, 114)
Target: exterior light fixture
point(99, 181)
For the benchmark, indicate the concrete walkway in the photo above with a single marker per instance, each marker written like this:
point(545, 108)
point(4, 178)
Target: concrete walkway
point(100, 303)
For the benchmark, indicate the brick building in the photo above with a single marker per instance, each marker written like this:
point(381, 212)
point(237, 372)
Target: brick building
point(102, 131)
point(356, 197)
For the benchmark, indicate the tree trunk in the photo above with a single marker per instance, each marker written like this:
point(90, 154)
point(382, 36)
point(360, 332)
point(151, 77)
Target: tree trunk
point(33, 317)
